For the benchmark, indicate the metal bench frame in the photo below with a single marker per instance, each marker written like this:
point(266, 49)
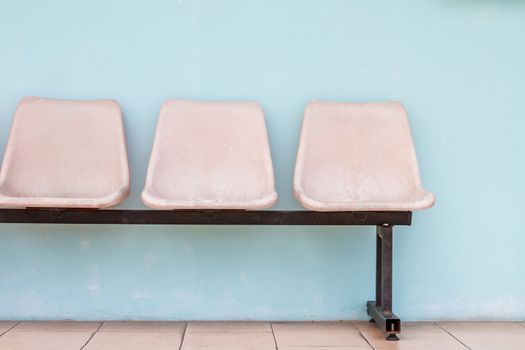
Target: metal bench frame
point(379, 310)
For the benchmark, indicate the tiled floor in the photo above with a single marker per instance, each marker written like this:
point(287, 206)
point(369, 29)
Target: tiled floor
point(357, 335)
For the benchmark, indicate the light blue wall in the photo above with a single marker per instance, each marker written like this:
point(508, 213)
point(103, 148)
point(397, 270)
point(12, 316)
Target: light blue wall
point(457, 65)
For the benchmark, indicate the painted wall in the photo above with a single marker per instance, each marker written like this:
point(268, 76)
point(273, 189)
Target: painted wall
point(457, 65)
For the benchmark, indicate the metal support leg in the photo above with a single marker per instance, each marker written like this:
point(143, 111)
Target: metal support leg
point(381, 309)
point(379, 266)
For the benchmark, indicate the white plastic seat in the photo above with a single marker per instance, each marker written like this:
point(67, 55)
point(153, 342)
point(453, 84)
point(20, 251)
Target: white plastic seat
point(358, 157)
point(65, 154)
point(210, 155)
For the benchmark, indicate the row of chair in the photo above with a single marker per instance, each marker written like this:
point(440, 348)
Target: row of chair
point(211, 155)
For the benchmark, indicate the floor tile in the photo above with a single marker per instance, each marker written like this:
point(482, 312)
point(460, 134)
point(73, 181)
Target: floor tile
point(411, 327)
point(326, 348)
point(320, 334)
point(6, 325)
point(230, 341)
point(237, 327)
point(414, 336)
point(143, 326)
point(206, 335)
point(135, 341)
point(336, 326)
point(57, 326)
point(480, 327)
point(43, 340)
point(309, 339)
point(367, 347)
point(488, 335)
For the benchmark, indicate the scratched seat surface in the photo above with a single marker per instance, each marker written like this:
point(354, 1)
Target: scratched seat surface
point(358, 157)
point(65, 154)
point(210, 155)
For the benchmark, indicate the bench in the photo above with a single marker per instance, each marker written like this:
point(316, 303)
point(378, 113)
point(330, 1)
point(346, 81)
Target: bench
point(211, 165)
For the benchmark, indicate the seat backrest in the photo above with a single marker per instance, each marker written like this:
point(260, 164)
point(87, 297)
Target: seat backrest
point(65, 154)
point(210, 155)
point(354, 154)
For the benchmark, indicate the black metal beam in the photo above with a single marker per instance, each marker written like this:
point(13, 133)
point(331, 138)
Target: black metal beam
point(202, 217)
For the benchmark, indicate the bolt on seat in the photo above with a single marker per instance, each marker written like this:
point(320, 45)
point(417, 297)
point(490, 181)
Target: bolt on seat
point(65, 154)
point(210, 155)
point(358, 157)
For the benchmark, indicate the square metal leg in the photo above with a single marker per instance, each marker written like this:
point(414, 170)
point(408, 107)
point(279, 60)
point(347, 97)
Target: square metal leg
point(380, 310)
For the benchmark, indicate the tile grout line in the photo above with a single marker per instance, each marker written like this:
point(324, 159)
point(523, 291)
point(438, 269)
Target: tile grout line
point(452, 335)
point(183, 335)
point(93, 334)
point(363, 336)
point(273, 335)
point(16, 324)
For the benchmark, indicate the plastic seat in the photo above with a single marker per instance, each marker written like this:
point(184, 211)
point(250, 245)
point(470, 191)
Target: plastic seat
point(65, 154)
point(210, 155)
point(358, 157)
